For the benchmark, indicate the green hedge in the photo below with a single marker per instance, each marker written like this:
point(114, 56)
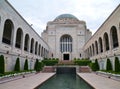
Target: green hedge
point(50, 62)
point(96, 65)
point(26, 65)
point(92, 66)
point(38, 65)
point(17, 65)
point(2, 65)
point(108, 65)
point(82, 62)
point(117, 64)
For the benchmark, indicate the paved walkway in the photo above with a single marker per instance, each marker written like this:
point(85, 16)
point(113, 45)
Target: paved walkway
point(28, 82)
point(99, 82)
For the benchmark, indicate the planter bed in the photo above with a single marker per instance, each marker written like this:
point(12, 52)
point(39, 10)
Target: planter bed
point(109, 75)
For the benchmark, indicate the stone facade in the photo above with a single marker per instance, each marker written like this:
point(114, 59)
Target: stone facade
point(66, 25)
point(105, 43)
point(18, 39)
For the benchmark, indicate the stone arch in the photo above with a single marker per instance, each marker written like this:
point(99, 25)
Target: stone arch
point(39, 49)
point(100, 45)
point(106, 41)
point(66, 43)
point(19, 35)
point(36, 47)
point(96, 46)
point(93, 49)
point(114, 37)
point(90, 51)
point(26, 42)
point(42, 51)
point(32, 46)
point(8, 32)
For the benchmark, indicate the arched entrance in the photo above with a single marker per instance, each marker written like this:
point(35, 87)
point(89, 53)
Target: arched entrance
point(66, 46)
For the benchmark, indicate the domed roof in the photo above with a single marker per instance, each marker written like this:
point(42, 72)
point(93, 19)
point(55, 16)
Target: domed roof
point(66, 16)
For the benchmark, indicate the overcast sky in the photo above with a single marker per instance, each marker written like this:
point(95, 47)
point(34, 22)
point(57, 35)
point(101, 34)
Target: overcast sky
point(39, 12)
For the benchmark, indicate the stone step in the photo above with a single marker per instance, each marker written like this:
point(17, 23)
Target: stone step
point(66, 62)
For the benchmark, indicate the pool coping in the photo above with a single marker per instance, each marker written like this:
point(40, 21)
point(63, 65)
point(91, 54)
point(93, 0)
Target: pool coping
point(44, 81)
point(27, 82)
point(86, 81)
point(99, 82)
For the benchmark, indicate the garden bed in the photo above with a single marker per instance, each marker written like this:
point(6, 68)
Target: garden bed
point(109, 75)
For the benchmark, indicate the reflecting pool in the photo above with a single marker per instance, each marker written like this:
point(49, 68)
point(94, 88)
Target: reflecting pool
point(65, 81)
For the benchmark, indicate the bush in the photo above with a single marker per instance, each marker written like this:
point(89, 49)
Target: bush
point(92, 66)
point(82, 62)
point(2, 64)
point(26, 65)
point(108, 65)
point(40, 66)
point(117, 64)
point(17, 65)
point(96, 65)
point(36, 65)
point(50, 62)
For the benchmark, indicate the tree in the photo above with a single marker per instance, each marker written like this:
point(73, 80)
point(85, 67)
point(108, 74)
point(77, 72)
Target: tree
point(2, 64)
point(117, 64)
point(17, 65)
point(36, 65)
point(108, 65)
point(96, 65)
point(26, 65)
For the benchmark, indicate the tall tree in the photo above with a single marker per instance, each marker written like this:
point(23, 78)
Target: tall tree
point(26, 65)
point(96, 65)
point(17, 65)
point(108, 65)
point(117, 64)
point(2, 64)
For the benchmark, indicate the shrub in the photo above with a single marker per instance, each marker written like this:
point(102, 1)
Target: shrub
point(2, 64)
point(117, 64)
point(96, 65)
point(75, 59)
point(40, 66)
point(26, 65)
point(92, 66)
point(82, 62)
point(17, 65)
point(108, 65)
point(36, 65)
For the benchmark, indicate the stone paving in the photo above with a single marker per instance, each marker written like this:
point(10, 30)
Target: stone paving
point(100, 82)
point(28, 82)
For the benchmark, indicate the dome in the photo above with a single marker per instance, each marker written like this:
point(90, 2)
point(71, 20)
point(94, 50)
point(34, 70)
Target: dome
point(66, 16)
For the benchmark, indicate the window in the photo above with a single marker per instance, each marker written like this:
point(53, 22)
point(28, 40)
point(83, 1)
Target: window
point(19, 35)
point(66, 43)
point(7, 32)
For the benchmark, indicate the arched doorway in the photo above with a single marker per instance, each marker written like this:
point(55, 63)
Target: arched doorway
point(66, 46)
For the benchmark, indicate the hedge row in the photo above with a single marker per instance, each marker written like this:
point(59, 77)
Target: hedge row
point(95, 66)
point(82, 62)
point(50, 62)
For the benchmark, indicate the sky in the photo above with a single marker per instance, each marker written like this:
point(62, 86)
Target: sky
point(39, 12)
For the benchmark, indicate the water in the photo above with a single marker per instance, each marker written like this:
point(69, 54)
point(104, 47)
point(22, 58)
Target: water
point(65, 81)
